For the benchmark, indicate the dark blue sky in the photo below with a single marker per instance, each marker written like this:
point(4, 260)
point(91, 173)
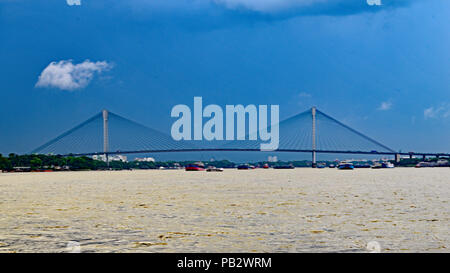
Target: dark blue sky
point(384, 70)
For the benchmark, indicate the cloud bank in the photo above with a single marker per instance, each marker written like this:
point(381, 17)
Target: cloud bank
point(65, 75)
point(277, 7)
point(73, 2)
point(442, 111)
point(268, 5)
point(373, 2)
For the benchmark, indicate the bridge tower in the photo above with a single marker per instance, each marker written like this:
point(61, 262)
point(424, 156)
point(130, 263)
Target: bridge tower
point(313, 112)
point(105, 135)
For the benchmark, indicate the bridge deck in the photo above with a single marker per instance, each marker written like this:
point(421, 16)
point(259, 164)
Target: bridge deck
point(258, 150)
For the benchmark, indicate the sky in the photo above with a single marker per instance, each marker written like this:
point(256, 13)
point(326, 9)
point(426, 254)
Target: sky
point(379, 66)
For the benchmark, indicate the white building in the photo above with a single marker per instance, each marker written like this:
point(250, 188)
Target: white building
point(144, 159)
point(272, 158)
point(122, 158)
point(99, 157)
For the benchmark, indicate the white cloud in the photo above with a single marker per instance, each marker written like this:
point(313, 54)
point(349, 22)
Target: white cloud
point(268, 5)
point(73, 2)
point(304, 98)
point(446, 114)
point(442, 111)
point(430, 112)
point(274, 5)
point(68, 76)
point(374, 2)
point(304, 95)
point(385, 105)
point(285, 8)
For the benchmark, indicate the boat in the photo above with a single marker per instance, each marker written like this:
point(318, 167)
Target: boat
point(290, 166)
point(198, 166)
point(331, 166)
point(439, 163)
point(245, 167)
point(383, 165)
point(376, 166)
point(42, 171)
point(424, 164)
point(214, 169)
point(345, 166)
point(387, 165)
point(266, 166)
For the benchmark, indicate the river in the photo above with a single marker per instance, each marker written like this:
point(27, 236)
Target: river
point(299, 210)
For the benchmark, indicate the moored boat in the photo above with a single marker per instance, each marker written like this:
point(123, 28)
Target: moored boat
point(376, 166)
point(387, 165)
point(214, 169)
point(383, 165)
point(245, 167)
point(290, 166)
point(345, 166)
point(198, 166)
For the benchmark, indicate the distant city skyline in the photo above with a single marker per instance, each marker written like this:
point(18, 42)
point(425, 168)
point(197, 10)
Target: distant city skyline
point(381, 67)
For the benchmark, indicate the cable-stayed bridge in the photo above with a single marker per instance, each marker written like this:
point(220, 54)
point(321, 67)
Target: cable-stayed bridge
point(311, 131)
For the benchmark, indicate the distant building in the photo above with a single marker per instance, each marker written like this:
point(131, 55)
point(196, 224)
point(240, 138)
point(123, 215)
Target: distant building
point(99, 157)
point(122, 158)
point(144, 159)
point(272, 158)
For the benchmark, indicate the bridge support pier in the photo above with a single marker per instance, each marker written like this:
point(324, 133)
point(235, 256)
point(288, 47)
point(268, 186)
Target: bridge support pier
point(314, 162)
point(424, 157)
point(397, 158)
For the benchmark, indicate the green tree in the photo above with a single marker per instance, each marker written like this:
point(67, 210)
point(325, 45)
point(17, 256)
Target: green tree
point(5, 164)
point(36, 162)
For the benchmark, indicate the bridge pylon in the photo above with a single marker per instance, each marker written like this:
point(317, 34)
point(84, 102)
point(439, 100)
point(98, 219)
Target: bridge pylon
point(313, 113)
point(105, 135)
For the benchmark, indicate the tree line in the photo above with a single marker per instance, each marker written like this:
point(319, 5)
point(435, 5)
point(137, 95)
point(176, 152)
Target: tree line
point(58, 162)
